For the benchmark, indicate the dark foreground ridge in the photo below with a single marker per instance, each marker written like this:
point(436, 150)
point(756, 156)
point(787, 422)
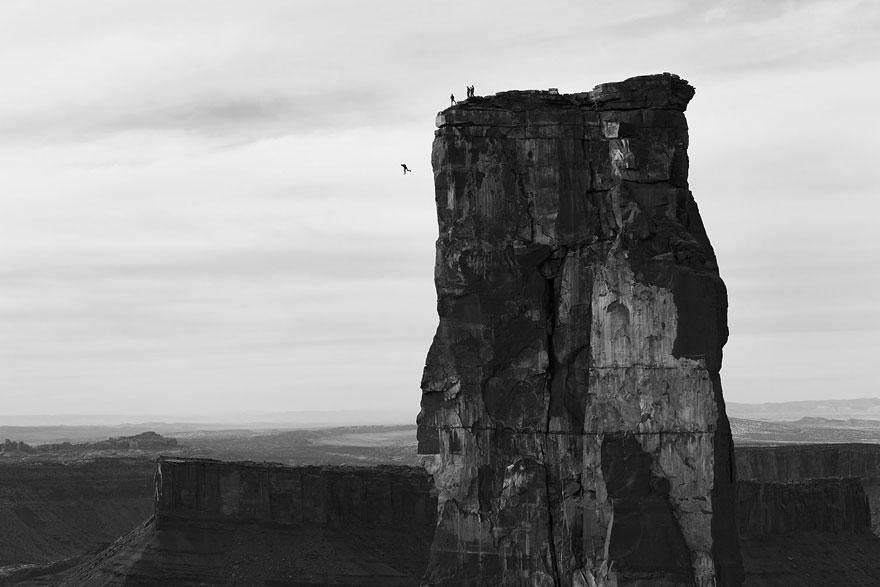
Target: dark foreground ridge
point(53, 515)
point(793, 463)
point(818, 505)
point(571, 398)
point(259, 523)
point(797, 527)
point(248, 523)
point(814, 532)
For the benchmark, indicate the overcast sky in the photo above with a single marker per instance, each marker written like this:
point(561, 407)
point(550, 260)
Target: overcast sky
point(202, 209)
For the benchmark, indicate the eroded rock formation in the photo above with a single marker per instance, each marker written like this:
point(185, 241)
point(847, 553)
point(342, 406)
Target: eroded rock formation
point(793, 463)
point(387, 497)
point(818, 505)
point(238, 523)
point(572, 413)
point(787, 463)
point(51, 512)
point(814, 532)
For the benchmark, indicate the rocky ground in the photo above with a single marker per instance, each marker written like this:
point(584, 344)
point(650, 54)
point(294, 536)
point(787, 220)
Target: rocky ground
point(52, 514)
point(355, 445)
point(804, 430)
point(251, 554)
point(58, 513)
point(61, 501)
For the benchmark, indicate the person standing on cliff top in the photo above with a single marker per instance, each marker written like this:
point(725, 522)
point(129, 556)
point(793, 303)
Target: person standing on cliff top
point(452, 99)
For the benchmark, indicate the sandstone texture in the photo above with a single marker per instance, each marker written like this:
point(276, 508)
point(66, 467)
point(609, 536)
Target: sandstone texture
point(247, 523)
point(814, 532)
point(53, 513)
point(377, 497)
point(572, 415)
point(819, 505)
point(787, 464)
point(259, 523)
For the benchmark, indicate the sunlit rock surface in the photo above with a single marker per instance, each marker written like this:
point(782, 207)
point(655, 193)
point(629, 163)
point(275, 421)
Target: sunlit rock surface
point(572, 414)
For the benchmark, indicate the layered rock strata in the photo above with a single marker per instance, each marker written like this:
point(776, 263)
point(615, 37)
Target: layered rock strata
point(387, 497)
point(782, 464)
point(814, 532)
point(242, 523)
point(818, 505)
point(787, 464)
point(55, 511)
point(572, 414)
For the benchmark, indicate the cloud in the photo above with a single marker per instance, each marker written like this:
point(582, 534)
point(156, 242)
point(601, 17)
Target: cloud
point(202, 201)
point(233, 117)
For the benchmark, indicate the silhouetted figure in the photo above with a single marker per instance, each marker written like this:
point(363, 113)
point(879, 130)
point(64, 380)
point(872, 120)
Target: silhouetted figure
point(405, 168)
point(470, 91)
point(452, 99)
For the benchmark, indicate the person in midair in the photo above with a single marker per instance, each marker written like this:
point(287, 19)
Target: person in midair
point(405, 168)
point(452, 99)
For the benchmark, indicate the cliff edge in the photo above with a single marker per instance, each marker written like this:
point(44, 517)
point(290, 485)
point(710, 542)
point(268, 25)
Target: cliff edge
point(802, 462)
point(244, 523)
point(572, 413)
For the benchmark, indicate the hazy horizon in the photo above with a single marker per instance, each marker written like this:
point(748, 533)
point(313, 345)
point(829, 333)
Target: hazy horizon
point(305, 417)
point(330, 418)
point(203, 209)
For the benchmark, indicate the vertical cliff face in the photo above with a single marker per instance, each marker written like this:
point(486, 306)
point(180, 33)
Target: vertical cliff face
point(225, 523)
point(817, 505)
point(571, 403)
point(787, 464)
point(378, 498)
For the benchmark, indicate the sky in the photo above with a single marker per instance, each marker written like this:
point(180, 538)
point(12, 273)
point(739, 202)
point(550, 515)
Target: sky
point(202, 210)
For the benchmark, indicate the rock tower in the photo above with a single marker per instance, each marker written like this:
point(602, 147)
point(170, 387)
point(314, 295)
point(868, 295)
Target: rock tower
point(572, 415)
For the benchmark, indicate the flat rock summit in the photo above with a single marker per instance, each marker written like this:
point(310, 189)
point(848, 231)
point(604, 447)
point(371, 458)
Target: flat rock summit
point(572, 412)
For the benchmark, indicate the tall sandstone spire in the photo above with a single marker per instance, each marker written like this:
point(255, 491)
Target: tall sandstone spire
point(572, 414)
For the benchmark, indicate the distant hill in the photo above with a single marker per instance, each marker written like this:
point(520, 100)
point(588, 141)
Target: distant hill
point(139, 445)
point(252, 420)
point(42, 429)
point(805, 430)
point(144, 441)
point(862, 409)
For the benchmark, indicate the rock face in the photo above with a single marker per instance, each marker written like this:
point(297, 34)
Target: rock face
point(248, 523)
point(782, 464)
point(572, 414)
point(787, 464)
point(814, 532)
point(52, 511)
point(819, 505)
point(389, 497)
